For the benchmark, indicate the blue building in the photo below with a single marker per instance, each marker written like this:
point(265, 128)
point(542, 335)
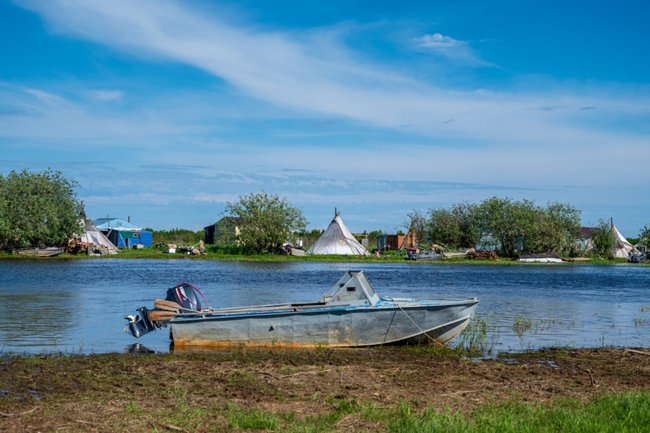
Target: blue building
point(124, 234)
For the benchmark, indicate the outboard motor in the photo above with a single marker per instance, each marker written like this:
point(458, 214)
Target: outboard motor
point(187, 296)
point(140, 323)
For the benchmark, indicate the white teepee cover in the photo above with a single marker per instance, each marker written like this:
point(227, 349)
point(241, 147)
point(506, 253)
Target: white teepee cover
point(623, 247)
point(338, 240)
point(93, 236)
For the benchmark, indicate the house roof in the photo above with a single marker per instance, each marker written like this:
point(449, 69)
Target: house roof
point(231, 219)
point(115, 224)
point(586, 232)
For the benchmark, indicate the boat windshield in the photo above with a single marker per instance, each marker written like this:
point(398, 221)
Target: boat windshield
point(352, 288)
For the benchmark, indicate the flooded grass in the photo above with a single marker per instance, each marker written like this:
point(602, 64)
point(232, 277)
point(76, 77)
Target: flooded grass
point(474, 339)
point(521, 325)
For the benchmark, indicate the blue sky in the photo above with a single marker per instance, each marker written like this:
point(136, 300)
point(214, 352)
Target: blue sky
point(166, 110)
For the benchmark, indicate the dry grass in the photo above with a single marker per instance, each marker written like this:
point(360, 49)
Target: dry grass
point(238, 390)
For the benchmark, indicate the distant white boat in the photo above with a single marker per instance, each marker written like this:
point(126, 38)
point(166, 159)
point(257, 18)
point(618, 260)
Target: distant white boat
point(350, 314)
point(540, 258)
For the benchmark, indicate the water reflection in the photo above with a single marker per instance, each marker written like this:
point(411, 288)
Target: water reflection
point(79, 306)
point(138, 348)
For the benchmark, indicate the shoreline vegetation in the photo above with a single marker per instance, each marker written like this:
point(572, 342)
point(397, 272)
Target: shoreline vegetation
point(152, 253)
point(387, 389)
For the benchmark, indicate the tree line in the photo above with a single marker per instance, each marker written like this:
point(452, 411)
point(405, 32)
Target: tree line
point(503, 224)
point(39, 209)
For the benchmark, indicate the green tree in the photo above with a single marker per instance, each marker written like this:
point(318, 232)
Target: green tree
point(37, 209)
point(553, 229)
point(508, 221)
point(444, 228)
point(419, 225)
point(644, 235)
point(603, 239)
point(467, 216)
point(267, 221)
point(176, 236)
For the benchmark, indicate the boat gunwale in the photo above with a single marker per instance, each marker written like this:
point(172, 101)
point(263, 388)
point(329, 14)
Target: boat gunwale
point(217, 315)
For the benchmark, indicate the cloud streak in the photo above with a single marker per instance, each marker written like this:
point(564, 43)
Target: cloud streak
point(292, 70)
point(452, 49)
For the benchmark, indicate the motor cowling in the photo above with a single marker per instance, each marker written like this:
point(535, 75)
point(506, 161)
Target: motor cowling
point(187, 296)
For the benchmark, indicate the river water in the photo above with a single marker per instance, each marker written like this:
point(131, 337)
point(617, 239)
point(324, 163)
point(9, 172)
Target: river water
point(78, 306)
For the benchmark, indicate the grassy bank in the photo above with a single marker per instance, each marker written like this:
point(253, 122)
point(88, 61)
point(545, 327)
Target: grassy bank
point(375, 390)
point(149, 253)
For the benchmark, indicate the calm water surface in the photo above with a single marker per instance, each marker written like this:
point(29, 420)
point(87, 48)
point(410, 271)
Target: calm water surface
point(79, 306)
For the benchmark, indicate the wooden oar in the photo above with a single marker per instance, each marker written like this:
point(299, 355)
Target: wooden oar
point(160, 316)
point(164, 304)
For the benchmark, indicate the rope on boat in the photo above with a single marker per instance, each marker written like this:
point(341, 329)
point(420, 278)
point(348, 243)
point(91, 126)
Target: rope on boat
point(433, 340)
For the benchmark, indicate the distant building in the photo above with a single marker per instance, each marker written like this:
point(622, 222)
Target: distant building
point(224, 231)
point(584, 241)
point(123, 234)
point(390, 242)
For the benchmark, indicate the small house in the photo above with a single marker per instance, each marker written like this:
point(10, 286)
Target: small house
point(584, 242)
point(390, 242)
point(224, 231)
point(123, 234)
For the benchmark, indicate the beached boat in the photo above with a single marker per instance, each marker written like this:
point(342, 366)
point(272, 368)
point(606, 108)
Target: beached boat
point(350, 314)
point(41, 252)
point(636, 257)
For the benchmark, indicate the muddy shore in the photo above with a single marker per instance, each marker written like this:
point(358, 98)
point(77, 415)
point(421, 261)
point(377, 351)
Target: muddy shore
point(149, 392)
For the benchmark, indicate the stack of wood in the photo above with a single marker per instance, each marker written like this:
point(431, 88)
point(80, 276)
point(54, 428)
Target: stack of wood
point(482, 255)
point(77, 247)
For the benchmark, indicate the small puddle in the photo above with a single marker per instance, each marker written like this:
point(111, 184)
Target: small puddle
point(34, 394)
point(543, 362)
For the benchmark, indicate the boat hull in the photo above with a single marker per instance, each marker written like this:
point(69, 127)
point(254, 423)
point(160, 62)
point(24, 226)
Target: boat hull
point(345, 326)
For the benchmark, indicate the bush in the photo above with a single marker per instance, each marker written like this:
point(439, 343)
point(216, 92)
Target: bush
point(37, 210)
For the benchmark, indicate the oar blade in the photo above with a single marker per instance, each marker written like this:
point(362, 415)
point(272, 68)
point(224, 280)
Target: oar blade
point(163, 304)
point(160, 315)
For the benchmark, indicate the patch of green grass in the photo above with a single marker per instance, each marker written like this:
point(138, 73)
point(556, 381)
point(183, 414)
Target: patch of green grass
point(240, 418)
point(473, 340)
point(133, 408)
point(613, 413)
point(437, 351)
point(521, 325)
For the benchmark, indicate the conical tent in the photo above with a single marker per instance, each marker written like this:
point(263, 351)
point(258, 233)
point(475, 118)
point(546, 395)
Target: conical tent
point(93, 237)
point(338, 240)
point(623, 247)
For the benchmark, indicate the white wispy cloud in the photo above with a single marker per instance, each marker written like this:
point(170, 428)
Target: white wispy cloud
point(287, 70)
point(107, 95)
point(455, 50)
point(438, 41)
